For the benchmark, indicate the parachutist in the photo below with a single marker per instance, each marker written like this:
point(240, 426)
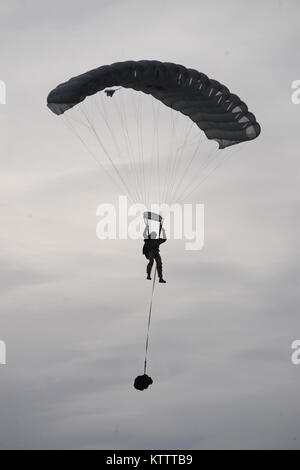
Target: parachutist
point(151, 251)
point(142, 382)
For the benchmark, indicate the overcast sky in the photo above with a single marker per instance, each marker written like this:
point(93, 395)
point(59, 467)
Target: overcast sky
point(74, 309)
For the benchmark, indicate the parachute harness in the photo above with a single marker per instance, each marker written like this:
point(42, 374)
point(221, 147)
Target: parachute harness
point(150, 307)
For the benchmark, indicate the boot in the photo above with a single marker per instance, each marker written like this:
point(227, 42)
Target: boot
point(162, 281)
point(148, 276)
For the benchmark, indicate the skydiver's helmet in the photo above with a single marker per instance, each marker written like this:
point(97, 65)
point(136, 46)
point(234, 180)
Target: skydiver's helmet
point(153, 235)
point(142, 382)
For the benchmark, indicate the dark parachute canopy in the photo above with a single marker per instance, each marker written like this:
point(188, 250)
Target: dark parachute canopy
point(220, 114)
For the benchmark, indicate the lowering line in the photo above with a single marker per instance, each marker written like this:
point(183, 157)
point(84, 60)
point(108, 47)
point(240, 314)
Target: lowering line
point(151, 303)
point(149, 321)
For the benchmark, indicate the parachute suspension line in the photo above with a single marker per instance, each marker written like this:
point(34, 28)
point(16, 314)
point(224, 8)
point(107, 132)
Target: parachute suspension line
point(67, 118)
point(173, 160)
point(140, 145)
point(129, 147)
point(220, 163)
point(136, 106)
point(204, 178)
point(205, 163)
point(158, 159)
point(194, 154)
point(178, 159)
point(171, 121)
point(152, 152)
point(126, 117)
point(103, 112)
point(138, 162)
point(181, 169)
point(102, 109)
point(170, 152)
point(74, 131)
point(106, 152)
point(157, 150)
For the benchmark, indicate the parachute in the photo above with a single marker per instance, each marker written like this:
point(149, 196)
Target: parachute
point(219, 113)
point(147, 137)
